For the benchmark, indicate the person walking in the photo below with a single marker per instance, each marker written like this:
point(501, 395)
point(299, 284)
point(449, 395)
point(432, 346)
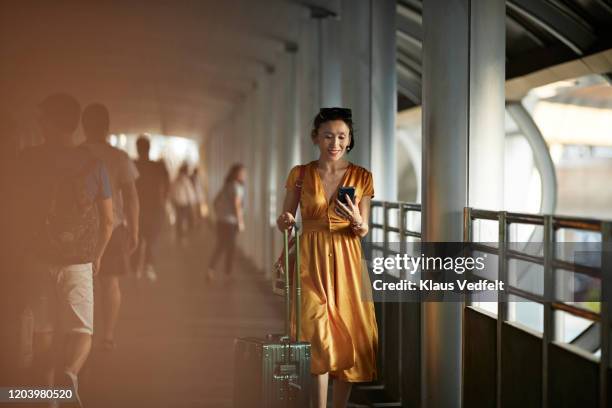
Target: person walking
point(122, 173)
point(183, 197)
point(339, 325)
point(229, 204)
point(200, 204)
point(153, 185)
point(66, 212)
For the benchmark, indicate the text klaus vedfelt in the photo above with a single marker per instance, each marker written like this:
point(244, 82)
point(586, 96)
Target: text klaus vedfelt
point(412, 264)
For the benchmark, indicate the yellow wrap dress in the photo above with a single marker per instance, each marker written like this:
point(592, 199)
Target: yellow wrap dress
point(340, 326)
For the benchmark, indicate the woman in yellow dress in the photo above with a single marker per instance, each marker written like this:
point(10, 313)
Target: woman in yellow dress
point(340, 326)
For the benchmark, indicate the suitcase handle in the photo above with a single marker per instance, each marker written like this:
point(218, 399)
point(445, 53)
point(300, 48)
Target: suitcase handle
point(298, 288)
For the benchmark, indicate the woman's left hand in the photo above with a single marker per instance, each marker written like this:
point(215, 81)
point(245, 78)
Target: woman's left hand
point(351, 211)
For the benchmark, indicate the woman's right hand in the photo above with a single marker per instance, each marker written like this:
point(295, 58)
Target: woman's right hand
point(285, 221)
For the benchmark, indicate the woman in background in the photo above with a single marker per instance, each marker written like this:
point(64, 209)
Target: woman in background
point(183, 196)
point(230, 218)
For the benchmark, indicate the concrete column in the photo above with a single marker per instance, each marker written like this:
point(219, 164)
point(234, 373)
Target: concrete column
point(330, 75)
point(293, 132)
point(283, 139)
point(284, 119)
point(308, 94)
point(487, 105)
point(255, 221)
point(357, 75)
point(369, 87)
point(461, 43)
point(383, 99)
point(268, 163)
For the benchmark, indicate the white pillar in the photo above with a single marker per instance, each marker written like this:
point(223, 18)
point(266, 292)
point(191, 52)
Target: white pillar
point(369, 87)
point(462, 40)
point(383, 99)
point(487, 106)
point(357, 76)
point(330, 75)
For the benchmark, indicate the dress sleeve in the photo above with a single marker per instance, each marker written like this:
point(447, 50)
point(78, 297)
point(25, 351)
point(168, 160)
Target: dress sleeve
point(368, 184)
point(292, 178)
point(238, 190)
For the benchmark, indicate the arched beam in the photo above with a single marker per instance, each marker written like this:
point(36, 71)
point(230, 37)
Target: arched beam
point(541, 155)
point(569, 29)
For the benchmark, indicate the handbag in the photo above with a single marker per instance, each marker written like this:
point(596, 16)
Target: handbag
point(278, 268)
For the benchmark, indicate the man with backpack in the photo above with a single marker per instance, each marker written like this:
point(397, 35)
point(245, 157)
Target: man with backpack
point(67, 220)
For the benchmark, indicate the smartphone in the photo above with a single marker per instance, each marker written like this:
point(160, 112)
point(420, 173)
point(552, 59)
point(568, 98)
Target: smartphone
point(346, 190)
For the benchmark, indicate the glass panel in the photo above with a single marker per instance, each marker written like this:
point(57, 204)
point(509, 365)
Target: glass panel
point(569, 327)
point(485, 231)
point(393, 236)
point(525, 233)
point(581, 290)
point(527, 276)
point(529, 314)
point(490, 307)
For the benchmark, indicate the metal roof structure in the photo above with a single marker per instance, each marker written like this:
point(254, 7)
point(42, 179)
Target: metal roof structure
point(539, 34)
point(178, 68)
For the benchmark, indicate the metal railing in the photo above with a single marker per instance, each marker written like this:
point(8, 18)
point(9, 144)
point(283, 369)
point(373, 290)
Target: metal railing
point(391, 218)
point(397, 211)
point(550, 263)
point(402, 229)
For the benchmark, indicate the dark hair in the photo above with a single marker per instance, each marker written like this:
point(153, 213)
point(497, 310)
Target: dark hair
point(95, 119)
point(63, 110)
point(232, 173)
point(143, 145)
point(184, 169)
point(329, 114)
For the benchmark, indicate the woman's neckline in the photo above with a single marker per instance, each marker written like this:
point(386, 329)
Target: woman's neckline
point(315, 163)
point(340, 184)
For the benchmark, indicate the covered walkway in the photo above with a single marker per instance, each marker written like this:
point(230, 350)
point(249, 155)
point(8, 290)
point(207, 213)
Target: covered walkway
point(214, 83)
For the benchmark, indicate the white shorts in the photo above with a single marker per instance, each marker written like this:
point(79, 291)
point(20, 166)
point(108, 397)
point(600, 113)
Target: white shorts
point(62, 298)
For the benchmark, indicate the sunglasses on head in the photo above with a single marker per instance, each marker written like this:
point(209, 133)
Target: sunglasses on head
point(343, 113)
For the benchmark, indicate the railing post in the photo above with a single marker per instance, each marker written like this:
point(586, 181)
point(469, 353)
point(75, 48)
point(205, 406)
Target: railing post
point(383, 314)
point(467, 237)
point(370, 236)
point(467, 224)
point(385, 225)
point(403, 246)
point(402, 223)
point(606, 311)
point(548, 333)
point(502, 299)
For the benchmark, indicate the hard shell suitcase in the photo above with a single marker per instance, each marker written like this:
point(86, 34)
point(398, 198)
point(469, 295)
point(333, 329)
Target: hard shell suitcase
point(274, 372)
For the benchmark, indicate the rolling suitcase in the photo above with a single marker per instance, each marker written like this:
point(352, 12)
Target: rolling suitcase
point(274, 372)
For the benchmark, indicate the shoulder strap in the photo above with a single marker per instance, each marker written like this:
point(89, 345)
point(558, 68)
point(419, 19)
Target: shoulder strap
point(298, 185)
point(300, 181)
